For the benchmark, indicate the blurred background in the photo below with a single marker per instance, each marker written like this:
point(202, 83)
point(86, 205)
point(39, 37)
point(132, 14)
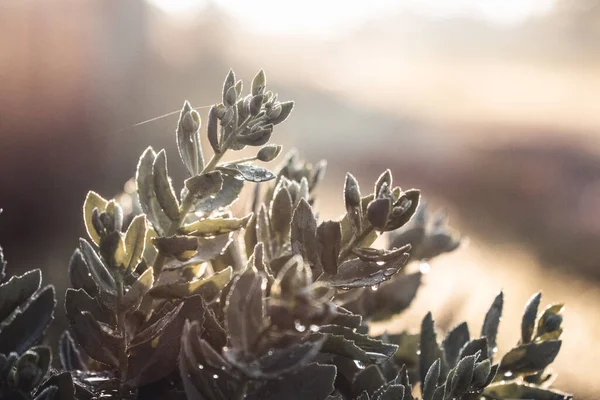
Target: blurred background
point(491, 107)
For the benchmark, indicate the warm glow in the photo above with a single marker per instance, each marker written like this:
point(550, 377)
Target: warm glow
point(322, 17)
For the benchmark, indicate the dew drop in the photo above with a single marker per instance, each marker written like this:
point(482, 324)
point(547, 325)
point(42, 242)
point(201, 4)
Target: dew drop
point(495, 350)
point(299, 327)
point(270, 352)
point(200, 366)
point(374, 288)
point(223, 368)
point(215, 376)
point(389, 271)
point(89, 274)
point(313, 328)
point(380, 262)
point(225, 348)
point(359, 364)
point(263, 285)
point(424, 267)
point(418, 352)
point(508, 374)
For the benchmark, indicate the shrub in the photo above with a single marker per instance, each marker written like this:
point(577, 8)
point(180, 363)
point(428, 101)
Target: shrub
point(182, 299)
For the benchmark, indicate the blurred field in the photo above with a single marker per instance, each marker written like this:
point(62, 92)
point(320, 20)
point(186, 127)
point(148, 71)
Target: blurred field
point(497, 121)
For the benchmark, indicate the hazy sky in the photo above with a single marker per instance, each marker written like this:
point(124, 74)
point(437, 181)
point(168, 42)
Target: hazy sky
point(330, 17)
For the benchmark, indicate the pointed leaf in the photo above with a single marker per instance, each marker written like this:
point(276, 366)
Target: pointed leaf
point(208, 288)
point(251, 173)
point(524, 391)
point(491, 322)
point(531, 357)
point(529, 318)
point(98, 343)
point(456, 339)
point(163, 188)
point(146, 193)
point(281, 213)
point(329, 238)
point(230, 191)
point(137, 291)
point(80, 275)
point(93, 201)
point(214, 226)
point(70, 358)
point(303, 234)
point(357, 273)
point(17, 290)
point(431, 380)
point(135, 242)
point(429, 350)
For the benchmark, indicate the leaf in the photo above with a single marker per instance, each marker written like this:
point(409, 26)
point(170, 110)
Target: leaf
point(401, 214)
point(137, 291)
point(548, 326)
point(313, 382)
point(17, 290)
point(27, 324)
point(182, 248)
point(352, 201)
point(70, 358)
point(251, 173)
point(281, 213)
point(473, 347)
point(231, 188)
point(357, 273)
point(375, 350)
point(188, 139)
point(92, 201)
point(392, 297)
point(303, 235)
point(102, 278)
point(77, 300)
point(531, 357)
point(79, 274)
point(163, 188)
point(378, 212)
point(202, 186)
point(431, 380)
point(151, 332)
point(286, 110)
point(244, 311)
point(428, 347)
point(384, 178)
point(98, 343)
point(329, 238)
point(481, 373)
point(212, 129)
point(135, 242)
point(393, 392)
point(146, 194)
point(463, 375)
point(491, 322)
point(529, 318)
point(214, 226)
point(454, 341)
point(523, 391)
point(208, 288)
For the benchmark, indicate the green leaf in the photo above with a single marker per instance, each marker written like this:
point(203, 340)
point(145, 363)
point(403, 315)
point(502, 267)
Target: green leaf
point(375, 350)
point(135, 242)
point(212, 129)
point(329, 242)
point(259, 83)
point(17, 290)
point(358, 273)
point(529, 318)
point(208, 288)
point(99, 343)
point(214, 226)
point(146, 193)
point(163, 188)
point(202, 186)
point(244, 311)
point(491, 323)
point(281, 213)
point(286, 110)
point(531, 357)
point(93, 201)
point(352, 201)
point(428, 347)
point(454, 341)
point(182, 248)
point(230, 191)
point(188, 139)
point(473, 347)
point(79, 274)
point(27, 324)
point(303, 235)
point(463, 375)
point(431, 380)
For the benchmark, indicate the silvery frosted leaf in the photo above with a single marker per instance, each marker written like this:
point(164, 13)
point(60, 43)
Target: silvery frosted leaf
point(431, 380)
point(70, 358)
point(358, 273)
point(230, 191)
point(180, 247)
point(375, 350)
point(146, 194)
point(258, 137)
point(286, 110)
point(259, 83)
point(17, 290)
point(314, 381)
point(549, 323)
point(27, 324)
point(230, 97)
point(378, 212)
point(368, 380)
point(205, 185)
point(244, 311)
point(281, 213)
point(428, 347)
point(303, 234)
point(530, 357)
point(93, 201)
point(475, 346)
point(228, 84)
point(492, 321)
point(251, 173)
point(524, 391)
point(98, 343)
point(212, 129)
point(481, 373)
point(384, 178)
point(250, 238)
point(188, 139)
point(454, 341)
point(163, 187)
point(529, 318)
point(208, 249)
point(463, 376)
point(401, 214)
point(329, 240)
point(77, 300)
point(371, 254)
point(154, 330)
